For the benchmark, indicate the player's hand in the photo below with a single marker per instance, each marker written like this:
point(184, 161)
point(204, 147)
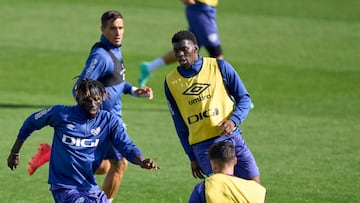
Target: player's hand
point(196, 170)
point(226, 127)
point(13, 160)
point(149, 164)
point(144, 92)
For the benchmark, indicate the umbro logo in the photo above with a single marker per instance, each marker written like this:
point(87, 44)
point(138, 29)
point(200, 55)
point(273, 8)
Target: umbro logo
point(196, 89)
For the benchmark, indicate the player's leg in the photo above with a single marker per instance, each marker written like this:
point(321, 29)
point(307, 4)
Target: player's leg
point(246, 166)
point(203, 24)
point(201, 155)
point(114, 177)
point(103, 168)
point(146, 68)
point(41, 157)
point(115, 165)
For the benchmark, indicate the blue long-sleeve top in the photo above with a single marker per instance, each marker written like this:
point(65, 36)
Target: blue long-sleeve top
point(198, 193)
point(77, 142)
point(236, 90)
point(99, 64)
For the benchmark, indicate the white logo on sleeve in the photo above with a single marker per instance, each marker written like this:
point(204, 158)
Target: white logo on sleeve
point(70, 126)
point(41, 113)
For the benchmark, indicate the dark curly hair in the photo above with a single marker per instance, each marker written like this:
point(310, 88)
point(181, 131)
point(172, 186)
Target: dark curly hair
point(88, 87)
point(183, 35)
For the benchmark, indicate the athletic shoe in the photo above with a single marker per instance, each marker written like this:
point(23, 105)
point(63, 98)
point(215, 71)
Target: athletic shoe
point(42, 156)
point(144, 74)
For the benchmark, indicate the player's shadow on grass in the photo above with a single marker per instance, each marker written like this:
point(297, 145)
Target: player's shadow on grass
point(23, 106)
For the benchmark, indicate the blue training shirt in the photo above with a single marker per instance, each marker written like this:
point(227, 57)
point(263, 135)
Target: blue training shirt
point(77, 142)
point(99, 64)
point(236, 90)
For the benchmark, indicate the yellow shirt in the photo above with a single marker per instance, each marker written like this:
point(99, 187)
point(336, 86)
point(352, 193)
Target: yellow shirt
point(221, 188)
point(202, 100)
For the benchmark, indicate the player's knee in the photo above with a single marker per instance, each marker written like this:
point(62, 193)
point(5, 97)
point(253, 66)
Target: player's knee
point(215, 52)
point(120, 165)
point(103, 168)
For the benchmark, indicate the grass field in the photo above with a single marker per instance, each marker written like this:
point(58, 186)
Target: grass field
point(299, 60)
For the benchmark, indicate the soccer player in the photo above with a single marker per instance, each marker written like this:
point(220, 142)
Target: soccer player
point(223, 186)
point(207, 101)
point(201, 17)
point(105, 64)
point(82, 134)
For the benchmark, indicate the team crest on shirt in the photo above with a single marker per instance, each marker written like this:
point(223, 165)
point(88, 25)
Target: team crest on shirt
point(95, 131)
point(80, 200)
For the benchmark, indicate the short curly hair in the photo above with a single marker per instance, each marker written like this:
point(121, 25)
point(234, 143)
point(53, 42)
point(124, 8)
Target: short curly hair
point(183, 35)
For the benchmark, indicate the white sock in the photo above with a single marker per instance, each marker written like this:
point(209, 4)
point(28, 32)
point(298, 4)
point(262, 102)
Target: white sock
point(110, 200)
point(155, 64)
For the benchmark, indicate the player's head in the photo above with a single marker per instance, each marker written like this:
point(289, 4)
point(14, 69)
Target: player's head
point(112, 27)
point(185, 47)
point(183, 35)
point(89, 95)
point(222, 155)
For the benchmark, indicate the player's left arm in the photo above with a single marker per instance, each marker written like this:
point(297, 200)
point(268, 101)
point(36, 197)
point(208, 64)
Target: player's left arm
point(237, 91)
point(179, 123)
point(123, 143)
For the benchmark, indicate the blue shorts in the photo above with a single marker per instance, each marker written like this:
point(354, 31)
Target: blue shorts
point(246, 166)
point(72, 195)
point(202, 22)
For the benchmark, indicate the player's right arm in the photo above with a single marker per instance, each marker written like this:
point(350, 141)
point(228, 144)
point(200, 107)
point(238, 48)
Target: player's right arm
point(13, 159)
point(34, 122)
point(180, 126)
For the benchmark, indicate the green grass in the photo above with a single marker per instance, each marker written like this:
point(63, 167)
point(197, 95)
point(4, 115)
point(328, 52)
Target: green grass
point(299, 60)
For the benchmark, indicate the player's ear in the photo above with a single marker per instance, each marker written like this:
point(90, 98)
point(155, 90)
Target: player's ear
point(196, 48)
point(235, 161)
